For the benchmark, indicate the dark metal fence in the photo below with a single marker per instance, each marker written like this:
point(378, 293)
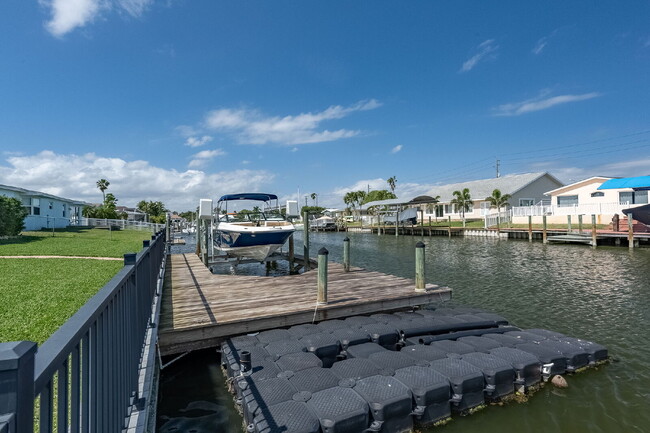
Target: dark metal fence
point(84, 378)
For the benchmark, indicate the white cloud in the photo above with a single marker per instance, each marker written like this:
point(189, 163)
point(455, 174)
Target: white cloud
point(203, 157)
point(542, 42)
point(75, 176)
point(67, 15)
point(487, 50)
point(396, 148)
point(541, 102)
point(197, 141)
point(252, 127)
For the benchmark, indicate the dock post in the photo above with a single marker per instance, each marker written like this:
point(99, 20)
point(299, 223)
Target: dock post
point(568, 218)
point(346, 254)
point(17, 392)
point(630, 230)
point(449, 228)
point(168, 234)
point(419, 267)
point(429, 225)
point(422, 222)
point(292, 254)
point(305, 235)
point(204, 253)
point(580, 223)
point(322, 276)
point(197, 233)
point(397, 224)
point(594, 239)
point(544, 239)
point(530, 228)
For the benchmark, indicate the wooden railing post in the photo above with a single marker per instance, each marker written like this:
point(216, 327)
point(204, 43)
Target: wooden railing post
point(346, 254)
point(594, 238)
point(17, 390)
point(322, 276)
point(305, 240)
point(419, 267)
point(630, 230)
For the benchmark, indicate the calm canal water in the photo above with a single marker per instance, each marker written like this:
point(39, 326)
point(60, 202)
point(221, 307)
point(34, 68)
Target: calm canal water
point(601, 295)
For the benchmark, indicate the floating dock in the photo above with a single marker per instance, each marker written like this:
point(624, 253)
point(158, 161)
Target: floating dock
point(391, 372)
point(201, 309)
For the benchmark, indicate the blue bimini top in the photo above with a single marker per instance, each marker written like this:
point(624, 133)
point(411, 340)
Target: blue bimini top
point(637, 183)
point(258, 196)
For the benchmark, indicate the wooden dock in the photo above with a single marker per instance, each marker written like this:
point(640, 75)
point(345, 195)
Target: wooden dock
point(201, 309)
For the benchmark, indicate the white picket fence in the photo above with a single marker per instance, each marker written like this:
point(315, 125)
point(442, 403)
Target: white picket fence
point(503, 217)
point(578, 209)
point(124, 224)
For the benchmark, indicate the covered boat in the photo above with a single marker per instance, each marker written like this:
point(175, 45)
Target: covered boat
point(252, 233)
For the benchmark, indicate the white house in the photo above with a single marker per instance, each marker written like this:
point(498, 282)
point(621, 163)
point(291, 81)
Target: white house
point(45, 210)
point(583, 198)
point(525, 189)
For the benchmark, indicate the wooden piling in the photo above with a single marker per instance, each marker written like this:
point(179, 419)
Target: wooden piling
point(422, 223)
point(544, 234)
point(305, 239)
point(449, 228)
point(594, 239)
point(197, 233)
point(346, 254)
point(630, 230)
point(397, 224)
point(292, 254)
point(530, 228)
point(568, 218)
point(322, 276)
point(204, 254)
point(419, 267)
point(580, 223)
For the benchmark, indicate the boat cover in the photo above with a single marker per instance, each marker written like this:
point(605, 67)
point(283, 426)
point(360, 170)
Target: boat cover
point(641, 213)
point(636, 183)
point(249, 196)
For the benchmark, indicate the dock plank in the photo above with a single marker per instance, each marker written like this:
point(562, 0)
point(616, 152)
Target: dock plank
point(200, 309)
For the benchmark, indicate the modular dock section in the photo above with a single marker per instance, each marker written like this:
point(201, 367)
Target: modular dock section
point(391, 372)
point(201, 309)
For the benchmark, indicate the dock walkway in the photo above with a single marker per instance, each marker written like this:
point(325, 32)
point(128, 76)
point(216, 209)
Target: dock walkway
point(201, 309)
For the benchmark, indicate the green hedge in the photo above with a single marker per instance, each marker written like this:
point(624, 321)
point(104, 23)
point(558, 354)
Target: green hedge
point(12, 216)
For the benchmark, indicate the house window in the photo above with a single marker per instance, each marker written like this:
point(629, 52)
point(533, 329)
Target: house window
point(63, 210)
point(51, 204)
point(598, 194)
point(526, 202)
point(567, 200)
point(633, 197)
point(449, 208)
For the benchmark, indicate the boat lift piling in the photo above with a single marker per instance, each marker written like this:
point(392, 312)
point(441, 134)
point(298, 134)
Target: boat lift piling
point(305, 236)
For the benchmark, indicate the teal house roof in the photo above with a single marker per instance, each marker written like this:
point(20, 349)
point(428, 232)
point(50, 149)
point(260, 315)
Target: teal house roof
point(639, 182)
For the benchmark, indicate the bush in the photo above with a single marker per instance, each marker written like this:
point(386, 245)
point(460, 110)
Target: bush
point(12, 216)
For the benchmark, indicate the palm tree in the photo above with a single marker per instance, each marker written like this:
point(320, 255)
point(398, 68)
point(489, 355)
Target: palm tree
point(392, 181)
point(463, 201)
point(102, 184)
point(498, 201)
point(314, 198)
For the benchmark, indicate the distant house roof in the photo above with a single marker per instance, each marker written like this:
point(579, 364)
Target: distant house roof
point(571, 186)
point(40, 194)
point(479, 189)
point(639, 182)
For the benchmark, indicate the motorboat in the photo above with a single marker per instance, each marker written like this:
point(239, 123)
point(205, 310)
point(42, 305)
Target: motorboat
point(254, 233)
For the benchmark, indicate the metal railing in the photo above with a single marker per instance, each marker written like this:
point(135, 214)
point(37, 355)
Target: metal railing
point(85, 376)
point(503, 217)
point(576, 209)
point(124, 224)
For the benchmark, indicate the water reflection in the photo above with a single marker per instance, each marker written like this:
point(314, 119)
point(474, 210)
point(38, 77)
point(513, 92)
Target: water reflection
point(598, 294)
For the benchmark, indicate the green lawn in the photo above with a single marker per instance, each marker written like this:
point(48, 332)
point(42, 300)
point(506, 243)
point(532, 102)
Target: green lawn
point(90, 242)
point(39, 295)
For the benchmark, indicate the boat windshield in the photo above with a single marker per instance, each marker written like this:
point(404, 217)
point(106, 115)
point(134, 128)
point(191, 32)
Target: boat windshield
point(246, 216)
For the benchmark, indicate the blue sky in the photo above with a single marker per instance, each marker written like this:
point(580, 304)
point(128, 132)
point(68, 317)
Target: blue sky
point(179, 100)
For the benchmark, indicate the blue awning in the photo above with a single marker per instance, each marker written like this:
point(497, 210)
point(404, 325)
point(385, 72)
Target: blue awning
point(249, 196)
point(637, 183)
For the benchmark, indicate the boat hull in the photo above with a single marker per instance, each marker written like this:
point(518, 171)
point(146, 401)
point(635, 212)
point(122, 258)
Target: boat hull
point(252, 242)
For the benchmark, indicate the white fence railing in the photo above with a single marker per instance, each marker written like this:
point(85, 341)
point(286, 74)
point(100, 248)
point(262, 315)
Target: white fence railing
point(124, 224)
point(505, 216)
point(578, 209)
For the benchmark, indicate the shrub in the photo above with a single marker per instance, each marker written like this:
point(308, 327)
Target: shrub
point(12, 216)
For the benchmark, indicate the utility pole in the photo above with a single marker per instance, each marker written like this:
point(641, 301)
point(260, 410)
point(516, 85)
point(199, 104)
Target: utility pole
point(498, 165)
